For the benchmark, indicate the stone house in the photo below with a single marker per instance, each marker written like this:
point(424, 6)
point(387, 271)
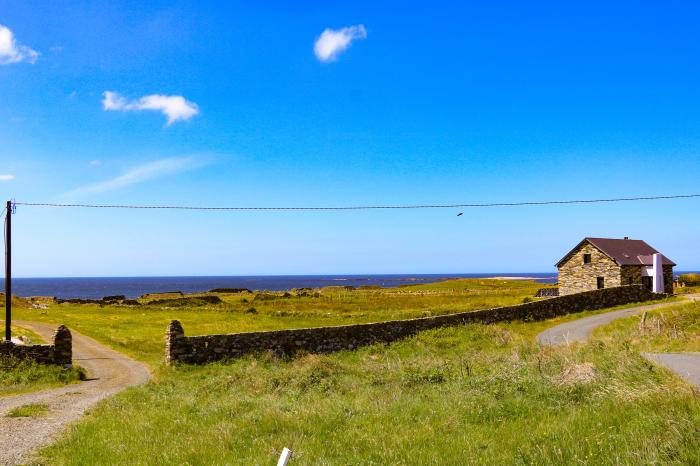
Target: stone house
point(606, 262)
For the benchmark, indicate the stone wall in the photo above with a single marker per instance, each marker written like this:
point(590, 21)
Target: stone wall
point(59, 353)
point(632, 275)
point(668, 278)
point(206, 348)
point(575, 276)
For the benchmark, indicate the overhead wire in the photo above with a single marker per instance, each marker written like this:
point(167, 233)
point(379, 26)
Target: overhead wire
point(362, 207)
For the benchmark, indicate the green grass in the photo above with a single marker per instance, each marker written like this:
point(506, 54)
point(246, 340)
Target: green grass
point(30, 337)
point(688, 289)
point(472, 394)
point(20, 376)
point(139, 331)
point(17, 376)
point(692, 279)
point(30, 410)
point(675, 328)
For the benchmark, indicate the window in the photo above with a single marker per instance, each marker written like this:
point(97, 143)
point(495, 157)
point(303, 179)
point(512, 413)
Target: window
point(648, 282)
point(630, 280)
point(601, 282)
point(586, 258)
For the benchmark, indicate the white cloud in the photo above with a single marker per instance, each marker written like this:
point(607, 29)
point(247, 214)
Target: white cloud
point(331, 42)
point(174, 107)
point(7, 177)
point(140, 174)
point(11, 51)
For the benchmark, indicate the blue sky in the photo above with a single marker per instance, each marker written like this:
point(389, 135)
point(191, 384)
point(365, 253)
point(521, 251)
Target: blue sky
point(439, 102)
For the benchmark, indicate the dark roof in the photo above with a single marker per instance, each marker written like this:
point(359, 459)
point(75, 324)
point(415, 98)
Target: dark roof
point(623, 251)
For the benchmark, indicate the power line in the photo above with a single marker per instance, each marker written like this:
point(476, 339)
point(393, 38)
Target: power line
point(362, 207)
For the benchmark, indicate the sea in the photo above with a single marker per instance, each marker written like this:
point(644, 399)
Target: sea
point(133, 287)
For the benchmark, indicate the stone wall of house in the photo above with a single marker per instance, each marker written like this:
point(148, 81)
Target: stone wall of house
point(631, 275)
point(59, 353)
point(575, 276)
point(668, 278)
point(634, 273)
point(206, 348)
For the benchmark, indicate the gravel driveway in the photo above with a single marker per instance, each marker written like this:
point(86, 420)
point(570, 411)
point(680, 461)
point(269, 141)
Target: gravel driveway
point(109, 372)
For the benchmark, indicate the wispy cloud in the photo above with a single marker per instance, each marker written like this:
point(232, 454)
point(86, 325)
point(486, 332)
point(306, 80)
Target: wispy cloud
point(174, 107)
point(11, 51)
point(333, 41)
point(6, 177)
point(94, 163)
point(140, 174)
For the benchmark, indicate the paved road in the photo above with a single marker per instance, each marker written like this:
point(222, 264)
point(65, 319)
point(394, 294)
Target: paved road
point(109, 372)
point(686, 365)
point(581, 329)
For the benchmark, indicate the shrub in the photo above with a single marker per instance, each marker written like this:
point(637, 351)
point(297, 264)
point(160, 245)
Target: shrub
point(691, 279)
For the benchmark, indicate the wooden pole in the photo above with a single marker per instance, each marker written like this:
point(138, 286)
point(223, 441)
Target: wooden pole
point(8, 272)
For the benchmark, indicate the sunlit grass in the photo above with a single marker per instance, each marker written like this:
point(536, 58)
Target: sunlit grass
point(473, 394)
point(20, 376)
point(30, 410)
point(675, 328)
point(139, 330)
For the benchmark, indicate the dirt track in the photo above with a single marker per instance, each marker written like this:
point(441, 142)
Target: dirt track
point(109, 372)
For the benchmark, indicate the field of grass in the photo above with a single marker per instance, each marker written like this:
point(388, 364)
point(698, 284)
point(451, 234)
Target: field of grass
point(670, 329)
point(139, 331)
point(473, 394)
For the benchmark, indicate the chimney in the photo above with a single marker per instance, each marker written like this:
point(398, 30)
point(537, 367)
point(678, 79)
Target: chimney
point(627, 237)
point(658, 274)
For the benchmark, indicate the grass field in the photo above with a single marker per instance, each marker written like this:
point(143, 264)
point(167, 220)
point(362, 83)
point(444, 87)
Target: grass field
point(474, 394)
point(139, 331)
point(466, 395)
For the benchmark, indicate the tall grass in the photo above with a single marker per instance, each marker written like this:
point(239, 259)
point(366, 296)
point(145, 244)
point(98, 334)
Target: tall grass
point(675, 328)
point(690, 279)
point(465, 395)
point(18, 376)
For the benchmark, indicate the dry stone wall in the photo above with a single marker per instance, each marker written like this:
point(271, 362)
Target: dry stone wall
point(207, 348)
point(575, 276)
point(59, 353)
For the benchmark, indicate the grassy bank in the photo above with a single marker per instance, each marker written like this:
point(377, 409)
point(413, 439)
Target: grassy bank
point(18, 376)
point(139, 330)
point(467, 395)
point(671, 329)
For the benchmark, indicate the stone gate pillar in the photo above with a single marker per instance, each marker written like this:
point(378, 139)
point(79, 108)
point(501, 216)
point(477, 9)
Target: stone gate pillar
point(175, 342)
point(63, 347)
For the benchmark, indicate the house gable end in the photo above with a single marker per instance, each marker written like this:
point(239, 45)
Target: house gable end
point(576, 248)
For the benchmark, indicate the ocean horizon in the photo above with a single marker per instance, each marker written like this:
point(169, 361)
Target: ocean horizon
point(133, 287)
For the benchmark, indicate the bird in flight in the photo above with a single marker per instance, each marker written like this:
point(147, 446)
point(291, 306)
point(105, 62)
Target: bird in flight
point(460, 214)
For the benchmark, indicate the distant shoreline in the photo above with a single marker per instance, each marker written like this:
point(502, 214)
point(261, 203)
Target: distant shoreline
point(133, 287)
point(514, 278)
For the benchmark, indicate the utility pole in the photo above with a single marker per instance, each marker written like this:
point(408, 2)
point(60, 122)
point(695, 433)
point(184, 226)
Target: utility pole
point(8, 272)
